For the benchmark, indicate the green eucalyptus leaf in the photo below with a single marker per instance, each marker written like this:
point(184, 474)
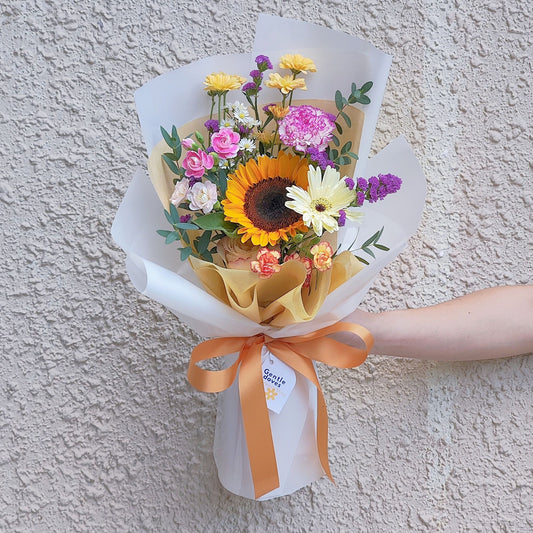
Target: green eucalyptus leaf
point(203, 242)
point(222, 181)
point(339, 127)
point(347, 119)
point(382, 247)
point(163, 232)
point(175, 133)
point(346, 148)
point(185, 225)
point(364, 261)
point(367, 86)
point(344, 160)
point(335, 140)
point(171, 165)
point(167, 137)
point(354, 87)
point(171, 237)
point(185, 252)
point(334, 155)
point(207, 256)
point(338, 100)
point(363, 99)
point(353, 155)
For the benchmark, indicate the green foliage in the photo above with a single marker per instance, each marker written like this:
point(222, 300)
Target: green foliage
point(171, 158)
point(372, 241)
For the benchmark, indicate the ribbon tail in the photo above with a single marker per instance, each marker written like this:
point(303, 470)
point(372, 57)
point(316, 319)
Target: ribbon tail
point(256, 423)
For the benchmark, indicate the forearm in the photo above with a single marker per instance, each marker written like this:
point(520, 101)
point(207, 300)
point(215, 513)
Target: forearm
point(495, 322)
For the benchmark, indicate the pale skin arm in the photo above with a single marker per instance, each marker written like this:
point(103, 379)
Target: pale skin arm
point(486, 324)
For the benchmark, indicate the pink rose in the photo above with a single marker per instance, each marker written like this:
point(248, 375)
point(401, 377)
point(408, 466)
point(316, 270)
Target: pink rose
point(196, 163)
point(235, 253)
point(225, 143)
point(267, 263)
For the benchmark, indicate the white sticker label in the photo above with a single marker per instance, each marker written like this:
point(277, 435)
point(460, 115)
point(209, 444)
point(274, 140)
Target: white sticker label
point(278, 379)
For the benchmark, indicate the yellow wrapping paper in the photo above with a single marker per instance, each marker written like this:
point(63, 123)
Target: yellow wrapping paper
point(282, 299)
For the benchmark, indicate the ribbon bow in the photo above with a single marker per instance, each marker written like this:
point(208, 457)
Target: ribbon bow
point(297, 352)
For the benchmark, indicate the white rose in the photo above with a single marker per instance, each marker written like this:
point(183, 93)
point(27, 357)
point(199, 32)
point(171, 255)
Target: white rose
point(202, 196)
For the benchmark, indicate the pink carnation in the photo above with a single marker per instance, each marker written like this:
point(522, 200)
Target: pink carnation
point(307, 127)
point(187, 143)
point(267, 263)
point(225, 143)
point(196, 163)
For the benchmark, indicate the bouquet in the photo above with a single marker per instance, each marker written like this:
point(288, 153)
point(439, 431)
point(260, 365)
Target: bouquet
point(277, 238)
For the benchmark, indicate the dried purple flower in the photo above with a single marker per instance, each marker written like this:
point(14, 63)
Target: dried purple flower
point(185, 218)
point(349, 183)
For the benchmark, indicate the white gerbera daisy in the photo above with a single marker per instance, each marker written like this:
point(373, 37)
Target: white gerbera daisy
point(324, 198)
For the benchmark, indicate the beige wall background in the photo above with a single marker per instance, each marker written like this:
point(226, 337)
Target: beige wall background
point(99, 430)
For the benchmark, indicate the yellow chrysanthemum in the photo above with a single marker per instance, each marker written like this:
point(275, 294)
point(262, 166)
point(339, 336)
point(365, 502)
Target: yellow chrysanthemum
point(256, 196)
point(297, 63)
point(266, 137)
point(221, 82)
point(285, 84)
point(279, 111)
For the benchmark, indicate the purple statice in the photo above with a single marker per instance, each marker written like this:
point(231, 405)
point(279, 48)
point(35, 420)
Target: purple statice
point(250, 88)
point(256, 75)
point(342, 218)
point(349, 183)
point(372, 191)
point(266, 108)
point(377, 188)
point(320, 158)
point(389, 183)
point(263, 63)
point(212, 125)
point(185, 218)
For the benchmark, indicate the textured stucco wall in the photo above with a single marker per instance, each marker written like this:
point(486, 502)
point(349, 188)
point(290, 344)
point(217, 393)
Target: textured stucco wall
point(99, 430)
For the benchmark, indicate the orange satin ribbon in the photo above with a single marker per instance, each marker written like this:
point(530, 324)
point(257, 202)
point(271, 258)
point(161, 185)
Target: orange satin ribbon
point(299, 353)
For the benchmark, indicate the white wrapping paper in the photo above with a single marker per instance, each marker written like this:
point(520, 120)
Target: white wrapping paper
point(156, 271)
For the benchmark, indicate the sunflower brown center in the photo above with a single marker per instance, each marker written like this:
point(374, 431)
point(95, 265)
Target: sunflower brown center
point(264, 204)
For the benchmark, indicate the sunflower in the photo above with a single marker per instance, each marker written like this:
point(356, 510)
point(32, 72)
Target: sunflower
point(256, 196)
